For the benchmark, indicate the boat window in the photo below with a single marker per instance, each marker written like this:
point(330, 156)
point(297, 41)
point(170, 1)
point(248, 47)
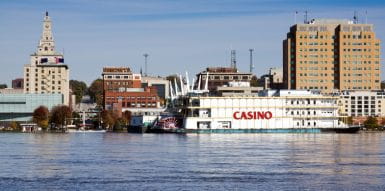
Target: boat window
point(195, 102)
point(203, 125)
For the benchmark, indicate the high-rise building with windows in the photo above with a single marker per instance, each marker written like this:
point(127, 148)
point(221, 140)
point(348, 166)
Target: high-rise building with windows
point(47, 73)
point(332, 55)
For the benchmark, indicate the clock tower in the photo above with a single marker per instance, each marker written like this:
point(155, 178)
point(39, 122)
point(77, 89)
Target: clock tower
point(46, 43)
point(47, 73)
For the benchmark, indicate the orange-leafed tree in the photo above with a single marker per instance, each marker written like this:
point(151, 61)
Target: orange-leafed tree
point(40, 116)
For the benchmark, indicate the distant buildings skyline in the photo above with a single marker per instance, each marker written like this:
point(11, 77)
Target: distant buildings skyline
point(178, 37)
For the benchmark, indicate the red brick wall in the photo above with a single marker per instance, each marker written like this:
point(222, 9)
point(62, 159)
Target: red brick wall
point(148, 96)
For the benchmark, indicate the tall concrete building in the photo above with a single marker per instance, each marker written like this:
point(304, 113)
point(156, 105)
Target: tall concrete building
point(331, 55)
point(46, 73)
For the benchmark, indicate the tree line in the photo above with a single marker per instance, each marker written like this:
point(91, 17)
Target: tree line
point(95, 90)
point(58, 116)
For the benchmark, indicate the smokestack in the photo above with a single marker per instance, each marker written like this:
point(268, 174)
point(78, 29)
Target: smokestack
point(207, 81)
point(176, 88)
point(171, 91)
point(199, 82)
point(192, 84)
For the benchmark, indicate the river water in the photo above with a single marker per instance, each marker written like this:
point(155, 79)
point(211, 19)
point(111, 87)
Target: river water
point(110, 161)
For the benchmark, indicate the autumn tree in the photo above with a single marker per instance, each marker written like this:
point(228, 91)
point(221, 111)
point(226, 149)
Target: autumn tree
point(95, 91)
point(109, 118)
point(78, 88)
point(40, 116)
point(15, 126)
point(120, 124)
point(127, 116)
point(61, 115)
point(350, 120)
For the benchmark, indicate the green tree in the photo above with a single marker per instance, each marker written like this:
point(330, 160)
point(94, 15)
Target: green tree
point(40, 116)
point(3, 86)
point(120, 124)
point(371, 123)
point(78, 88)
point(61, 115)
point(95, 91)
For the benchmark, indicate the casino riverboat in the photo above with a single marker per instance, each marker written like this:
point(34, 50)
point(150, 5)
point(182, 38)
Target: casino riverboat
point(265, 111)
point(285, 111)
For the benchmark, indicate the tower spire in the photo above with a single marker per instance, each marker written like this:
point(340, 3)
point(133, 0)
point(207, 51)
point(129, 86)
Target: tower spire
point(46, 43)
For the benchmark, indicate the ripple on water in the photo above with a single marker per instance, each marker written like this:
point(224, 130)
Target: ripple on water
point(192, 162)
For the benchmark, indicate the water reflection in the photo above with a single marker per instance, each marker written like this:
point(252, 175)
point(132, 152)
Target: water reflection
point(200, 162)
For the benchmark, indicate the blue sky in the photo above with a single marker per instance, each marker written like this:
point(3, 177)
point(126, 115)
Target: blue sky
point(178, 35)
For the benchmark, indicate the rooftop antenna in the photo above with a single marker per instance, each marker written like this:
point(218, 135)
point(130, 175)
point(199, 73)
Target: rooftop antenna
point(233, 59)
point(355, 18)
point(295, 17)
point(251, 60)
point(366, 17)
point(305, 21)
point(145, 63)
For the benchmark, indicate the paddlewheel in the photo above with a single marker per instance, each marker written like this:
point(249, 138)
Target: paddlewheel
point(169, 123)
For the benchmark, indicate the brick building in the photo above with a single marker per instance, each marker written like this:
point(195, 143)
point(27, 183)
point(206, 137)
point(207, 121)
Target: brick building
point(122, 91)
point(18, 83)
